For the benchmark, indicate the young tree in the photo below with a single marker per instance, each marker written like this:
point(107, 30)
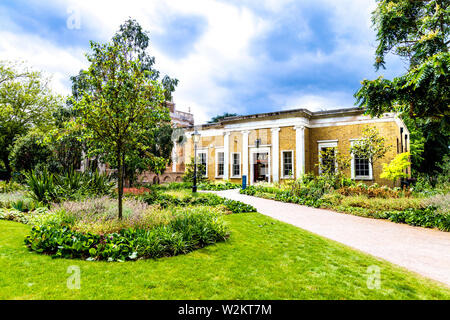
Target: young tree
point(396, 168)
point(26, 101)
point(332, 162)
point(417, 31)
point(371, 146)
point(119, 103)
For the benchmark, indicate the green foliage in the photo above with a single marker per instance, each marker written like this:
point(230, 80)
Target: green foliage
point(218, 186)
point(427, 218)
point(417, 31)
point(396, 168)
point(371, 146)
point(218, 118)
point(30, 151)
point(204, 199)
point(10, 186)
point(26, 102)
point(332, 162)
point(189, 173)
point(119, 102)
point(49, 188)
point(189, 230)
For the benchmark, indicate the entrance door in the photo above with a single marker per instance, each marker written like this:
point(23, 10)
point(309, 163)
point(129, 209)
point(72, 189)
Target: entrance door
point(261, 166)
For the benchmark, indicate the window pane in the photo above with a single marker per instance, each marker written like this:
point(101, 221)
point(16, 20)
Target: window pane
point(220, 163)
point(236, 164)
point(362, 168)
point(287, 163)
point(328, 159)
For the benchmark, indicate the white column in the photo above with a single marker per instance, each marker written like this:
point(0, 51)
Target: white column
point(174, 158)
point(245, 154)
point(299, 151)
point(226, 155)
point(275, 154)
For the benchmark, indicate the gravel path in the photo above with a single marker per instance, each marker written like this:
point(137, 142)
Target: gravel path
point(424, 251)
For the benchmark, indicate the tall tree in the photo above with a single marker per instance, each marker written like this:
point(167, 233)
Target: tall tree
point(119, 103)
point(26, 101)
point(417, 31)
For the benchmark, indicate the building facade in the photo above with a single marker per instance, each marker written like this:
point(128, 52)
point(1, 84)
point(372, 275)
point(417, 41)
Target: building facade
point(283, 145)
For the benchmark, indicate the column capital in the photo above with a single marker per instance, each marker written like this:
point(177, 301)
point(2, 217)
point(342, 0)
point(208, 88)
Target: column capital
point(227, 133)
point(277, 129)
point(299, 127)
point(245, 132)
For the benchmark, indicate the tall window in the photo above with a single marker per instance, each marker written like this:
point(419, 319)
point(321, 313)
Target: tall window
point(361, 168)
point(288, 164)
point(328, 159)
point(327, 156)
point(236, 164)
point(220, 163)
point(202, 160)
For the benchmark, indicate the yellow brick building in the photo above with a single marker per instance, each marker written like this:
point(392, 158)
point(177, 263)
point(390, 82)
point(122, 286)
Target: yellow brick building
point(283, 145)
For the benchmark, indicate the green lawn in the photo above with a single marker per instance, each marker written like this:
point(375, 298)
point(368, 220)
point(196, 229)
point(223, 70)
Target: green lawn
point(263, 259)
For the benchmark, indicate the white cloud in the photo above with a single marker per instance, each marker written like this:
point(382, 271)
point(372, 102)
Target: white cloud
point(221, 55)
point(44, 56)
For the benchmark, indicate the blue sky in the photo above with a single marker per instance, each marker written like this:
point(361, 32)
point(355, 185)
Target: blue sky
point(243, 56)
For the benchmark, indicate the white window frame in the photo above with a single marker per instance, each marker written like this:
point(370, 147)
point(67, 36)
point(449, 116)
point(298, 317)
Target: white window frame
point(283, 176)
point(353, 169)
point(232, 165)
point(218, 150)
point(326, 144)
point(205, 151)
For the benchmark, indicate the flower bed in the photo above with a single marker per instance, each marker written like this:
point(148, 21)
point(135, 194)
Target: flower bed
point(89, 230)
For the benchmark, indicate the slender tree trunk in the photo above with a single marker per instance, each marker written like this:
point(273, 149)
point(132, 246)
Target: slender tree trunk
point(120, 179)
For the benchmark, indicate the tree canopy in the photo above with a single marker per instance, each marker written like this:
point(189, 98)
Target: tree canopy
point(418, 32)
point(26, 102)
point(118, 101)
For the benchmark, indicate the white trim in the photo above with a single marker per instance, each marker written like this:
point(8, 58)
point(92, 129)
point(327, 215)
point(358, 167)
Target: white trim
point(205, 151)
point(275, 154)
point(299, 150)
point(218, 150)
point(232, 165)
point(245, 134)
point(326, 144)
point(267, 124)
point(282, 164)
point(226, 156)
point(353, 173)
point(259, 150)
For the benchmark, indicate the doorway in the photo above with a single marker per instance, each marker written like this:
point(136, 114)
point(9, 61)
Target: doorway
point(260, 167)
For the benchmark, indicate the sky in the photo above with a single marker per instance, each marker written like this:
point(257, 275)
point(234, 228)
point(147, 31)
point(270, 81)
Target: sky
point(236, 56)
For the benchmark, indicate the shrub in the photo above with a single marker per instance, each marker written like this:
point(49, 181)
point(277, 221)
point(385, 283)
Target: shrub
point(30, 151)
point(427, 218)
point(10, 186)
point(19, 216)
point(205, 199)
point(218, 186)
point(440, 201)
point(189, 229)
point(46, 187)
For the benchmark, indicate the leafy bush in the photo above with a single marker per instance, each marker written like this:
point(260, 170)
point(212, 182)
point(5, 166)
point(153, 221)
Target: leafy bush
point(30, 151)
point(427, 218)
point(23, 217)
point(204, 199)
point(46, 187)
point(10, 186)
point(374, 191)
point(190, 229)
point(382, 204)
point(218, 186)
point(440, 201)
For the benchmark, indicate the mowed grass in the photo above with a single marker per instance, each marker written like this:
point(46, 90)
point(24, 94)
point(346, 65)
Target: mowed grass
point(263, 259)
